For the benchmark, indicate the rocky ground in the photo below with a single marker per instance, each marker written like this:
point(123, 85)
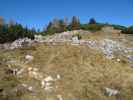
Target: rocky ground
point(99, 66)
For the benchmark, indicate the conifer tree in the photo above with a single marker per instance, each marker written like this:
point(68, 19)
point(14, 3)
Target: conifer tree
point(92, 21)
point(75, 24)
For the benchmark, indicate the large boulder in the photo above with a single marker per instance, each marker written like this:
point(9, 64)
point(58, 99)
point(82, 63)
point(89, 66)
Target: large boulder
point(75, 40)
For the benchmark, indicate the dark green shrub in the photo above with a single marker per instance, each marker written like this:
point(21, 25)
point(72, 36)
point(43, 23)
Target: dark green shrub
point(92, 27)
point(128, 30)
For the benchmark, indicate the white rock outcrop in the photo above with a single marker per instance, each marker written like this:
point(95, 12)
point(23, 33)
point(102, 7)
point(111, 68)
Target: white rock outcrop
point(109, 47)
point(20, 43)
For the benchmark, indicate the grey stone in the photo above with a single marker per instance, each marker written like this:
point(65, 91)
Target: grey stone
point(75, 40)
point(111, 92)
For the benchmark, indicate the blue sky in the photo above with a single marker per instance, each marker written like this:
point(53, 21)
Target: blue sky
point(37, 13)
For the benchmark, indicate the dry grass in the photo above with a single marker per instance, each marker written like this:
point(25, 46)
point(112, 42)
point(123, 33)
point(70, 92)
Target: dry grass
point(84, 73)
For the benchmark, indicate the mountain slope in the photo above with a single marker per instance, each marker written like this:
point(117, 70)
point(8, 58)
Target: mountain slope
point(64, 71)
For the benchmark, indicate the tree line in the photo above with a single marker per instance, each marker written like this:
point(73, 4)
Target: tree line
point(11, 31)
point(61, 25)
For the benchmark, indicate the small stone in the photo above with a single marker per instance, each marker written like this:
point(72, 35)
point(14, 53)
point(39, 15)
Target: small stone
point(59, 97)
point(29, 57)
point(111, 92)
point(47, 84)
point(130, 58)
point(48, 88)
point(118, 60)
point(30, 88)
point(49, 78)
point(30, 68)
point(58, 76)
point(20, 71)
point(35, 69)
point(24, 85)
point(42, 83)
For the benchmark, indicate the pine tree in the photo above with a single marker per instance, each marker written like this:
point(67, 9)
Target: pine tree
point(75, 24)
point(62, 26)
point(49, 29)
point(92, 21)
point(49, 26)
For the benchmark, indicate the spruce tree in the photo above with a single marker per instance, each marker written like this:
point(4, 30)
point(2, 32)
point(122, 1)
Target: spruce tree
point(75, 24)
point(92, 21)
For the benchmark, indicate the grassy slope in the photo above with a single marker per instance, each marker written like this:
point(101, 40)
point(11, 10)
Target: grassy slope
point(84, 73)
